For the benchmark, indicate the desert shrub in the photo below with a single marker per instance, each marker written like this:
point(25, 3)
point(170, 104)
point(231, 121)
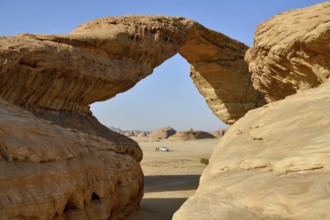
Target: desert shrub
point(204, 161)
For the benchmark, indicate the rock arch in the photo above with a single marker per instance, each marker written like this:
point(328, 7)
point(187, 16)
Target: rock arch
point(59, 76)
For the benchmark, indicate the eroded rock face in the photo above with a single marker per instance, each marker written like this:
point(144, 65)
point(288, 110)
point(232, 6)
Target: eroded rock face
point(49, 172)
point(101, 58)
point(85, 170)
point(291, 52)
point(274, 163)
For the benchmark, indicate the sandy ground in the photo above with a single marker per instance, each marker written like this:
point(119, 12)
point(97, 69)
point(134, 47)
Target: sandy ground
point(170, 177)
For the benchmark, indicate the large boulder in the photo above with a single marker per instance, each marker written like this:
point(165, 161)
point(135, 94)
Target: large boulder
point(274, 163)
point(291, 52)
point(49, 172)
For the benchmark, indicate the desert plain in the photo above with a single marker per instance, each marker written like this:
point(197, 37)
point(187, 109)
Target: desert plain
point(170, 177)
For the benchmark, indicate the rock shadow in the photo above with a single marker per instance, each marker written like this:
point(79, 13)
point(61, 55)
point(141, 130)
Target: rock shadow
point(162, 183)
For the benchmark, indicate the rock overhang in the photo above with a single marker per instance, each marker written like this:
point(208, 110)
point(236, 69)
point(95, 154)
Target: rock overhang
point(104, 57)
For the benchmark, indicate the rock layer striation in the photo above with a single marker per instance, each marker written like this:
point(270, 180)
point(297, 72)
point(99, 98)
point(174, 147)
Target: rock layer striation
point(49, 172)
point(104, 57)
point(70, 166)
point(291, 52)
point(274, 163)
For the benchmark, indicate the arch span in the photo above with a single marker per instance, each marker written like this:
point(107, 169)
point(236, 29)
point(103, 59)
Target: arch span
point(58, 76)
point(104, 57)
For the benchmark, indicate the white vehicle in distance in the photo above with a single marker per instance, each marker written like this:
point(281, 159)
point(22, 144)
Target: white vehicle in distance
point(164, 149)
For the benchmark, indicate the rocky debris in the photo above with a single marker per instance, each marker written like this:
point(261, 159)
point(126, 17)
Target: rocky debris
point(49, 172)
point(274, 163)
point(59, 76)
point(291, 52)
point(190, 135)
point(162, 133)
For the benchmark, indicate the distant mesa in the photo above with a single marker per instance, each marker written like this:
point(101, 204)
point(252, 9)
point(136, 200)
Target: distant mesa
point(191, 135)
point(130, 134)
point(162, 133)
point(142, 135)
point(219, 133)
point(118, 130)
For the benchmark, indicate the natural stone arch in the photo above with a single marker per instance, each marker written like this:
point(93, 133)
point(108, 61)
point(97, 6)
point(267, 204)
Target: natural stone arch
point(217, 62)
point(57, 77)
point(108, 56)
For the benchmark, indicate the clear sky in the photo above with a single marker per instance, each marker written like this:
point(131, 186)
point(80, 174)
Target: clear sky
point(168, 97)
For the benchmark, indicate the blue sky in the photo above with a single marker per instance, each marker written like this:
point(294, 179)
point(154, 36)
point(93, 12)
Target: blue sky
point(167, 97)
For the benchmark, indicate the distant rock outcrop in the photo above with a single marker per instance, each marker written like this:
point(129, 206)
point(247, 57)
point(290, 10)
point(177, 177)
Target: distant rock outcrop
point(162, 133)
point(190, 135)
point(219, 133)
point(142, 134)
point(118, 130)
point(291, 52)
point(274, 163)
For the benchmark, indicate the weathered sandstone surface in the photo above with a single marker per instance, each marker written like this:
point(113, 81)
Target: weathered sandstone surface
point(70, 166)
point(274, 163)
point(49, 172)
point(59, 76)
point(291, 52)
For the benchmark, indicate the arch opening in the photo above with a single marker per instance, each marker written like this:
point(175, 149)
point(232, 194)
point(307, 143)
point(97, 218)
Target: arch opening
point(168, 97)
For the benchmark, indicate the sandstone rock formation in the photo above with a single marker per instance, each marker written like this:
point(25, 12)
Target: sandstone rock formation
point(162, 133)
point(85, 169)
point(190, 135)
point(59, 76)
point(291, 52)
point(274, 163)
point(48, 172)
